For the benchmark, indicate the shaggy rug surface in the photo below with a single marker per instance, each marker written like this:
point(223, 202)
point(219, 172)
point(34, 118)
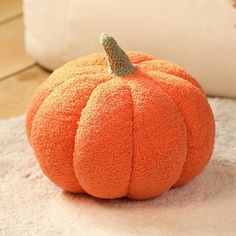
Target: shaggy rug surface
point(31, 205)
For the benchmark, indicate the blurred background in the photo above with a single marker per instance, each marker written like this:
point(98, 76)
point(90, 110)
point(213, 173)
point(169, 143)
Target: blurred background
point(35, 34)
point(19, 73)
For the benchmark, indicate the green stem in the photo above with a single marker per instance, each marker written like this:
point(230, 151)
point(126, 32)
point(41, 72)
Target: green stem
point(119, 62)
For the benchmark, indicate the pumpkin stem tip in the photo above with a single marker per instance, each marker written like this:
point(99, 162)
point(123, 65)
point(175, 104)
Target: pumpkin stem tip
point(104, 38)
point(119, 63)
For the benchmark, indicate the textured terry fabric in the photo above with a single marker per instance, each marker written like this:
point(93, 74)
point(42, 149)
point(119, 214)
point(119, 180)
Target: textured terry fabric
point(54, 127)
point(198, 119)
point(159, 140)
point(55, 79)
point(103, 163)
point(169, 68)
point(111, 136)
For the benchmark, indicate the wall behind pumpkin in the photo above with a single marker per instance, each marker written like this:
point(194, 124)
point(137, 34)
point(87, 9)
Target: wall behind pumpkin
point(198, 35)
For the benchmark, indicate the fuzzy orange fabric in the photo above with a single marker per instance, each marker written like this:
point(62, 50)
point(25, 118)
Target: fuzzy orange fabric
point(112, 136)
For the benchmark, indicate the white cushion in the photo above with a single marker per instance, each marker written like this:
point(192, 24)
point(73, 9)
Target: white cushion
point(198, 35)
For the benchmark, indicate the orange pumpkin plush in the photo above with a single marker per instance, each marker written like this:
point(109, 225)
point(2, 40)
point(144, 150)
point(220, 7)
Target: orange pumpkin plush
point(118, 124)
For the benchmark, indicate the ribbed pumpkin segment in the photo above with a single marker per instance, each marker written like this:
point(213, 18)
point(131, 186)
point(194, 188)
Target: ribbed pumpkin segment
point(104, 141)
point(58, 77)
point(54, 80)
point(169, 68)
point(54, 128)
point(159, 141)
point(198, 118)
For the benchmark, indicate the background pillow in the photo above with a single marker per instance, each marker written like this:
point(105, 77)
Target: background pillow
point(198, 35)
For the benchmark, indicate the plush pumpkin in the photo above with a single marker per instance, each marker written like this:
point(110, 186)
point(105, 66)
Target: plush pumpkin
point(118, 124)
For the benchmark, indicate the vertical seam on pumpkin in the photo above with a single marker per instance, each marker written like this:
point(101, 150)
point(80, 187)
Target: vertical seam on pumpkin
point(57, 87)
point(132, 158)
point(150, 78)
point(78, 128)
point(60, 84)
point(30, 134)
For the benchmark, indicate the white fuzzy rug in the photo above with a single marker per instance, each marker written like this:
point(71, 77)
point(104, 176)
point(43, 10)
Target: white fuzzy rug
point(31, 205)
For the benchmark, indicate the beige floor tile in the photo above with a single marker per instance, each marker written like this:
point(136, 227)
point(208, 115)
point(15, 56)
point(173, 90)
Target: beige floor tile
point(9, 9)
point(13, 57)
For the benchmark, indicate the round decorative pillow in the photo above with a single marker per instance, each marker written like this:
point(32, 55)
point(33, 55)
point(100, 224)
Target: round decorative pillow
point(114, 124)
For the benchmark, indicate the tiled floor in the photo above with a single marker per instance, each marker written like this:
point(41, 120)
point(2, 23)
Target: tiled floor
point(19, 74)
